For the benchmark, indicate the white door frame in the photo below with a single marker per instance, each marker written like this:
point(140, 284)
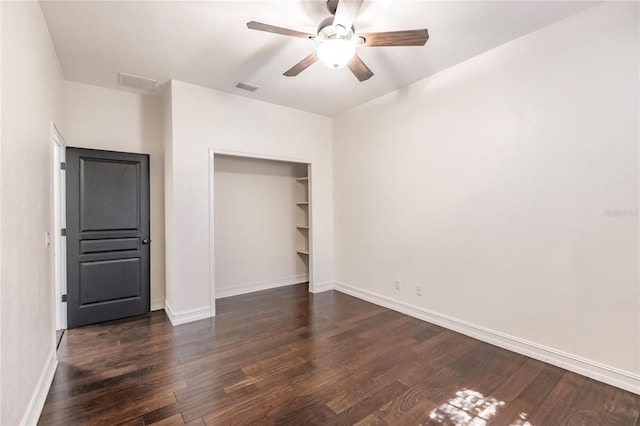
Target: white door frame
point(59, 222)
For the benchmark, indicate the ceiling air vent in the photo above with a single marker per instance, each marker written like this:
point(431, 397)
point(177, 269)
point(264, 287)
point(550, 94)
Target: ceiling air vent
point(136, 82)
point(246, 86)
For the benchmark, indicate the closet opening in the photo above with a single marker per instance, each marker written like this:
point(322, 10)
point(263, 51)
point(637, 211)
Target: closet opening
point(261, 225)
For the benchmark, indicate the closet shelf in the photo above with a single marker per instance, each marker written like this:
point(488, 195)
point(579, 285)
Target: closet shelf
point(304, 230)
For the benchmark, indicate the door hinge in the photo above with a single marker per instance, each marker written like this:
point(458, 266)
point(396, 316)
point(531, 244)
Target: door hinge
point(64, 298)
point(63, 166)
point(63, 232)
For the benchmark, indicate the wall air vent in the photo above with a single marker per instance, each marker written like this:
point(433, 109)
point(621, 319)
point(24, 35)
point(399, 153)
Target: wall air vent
point(136, 82)
point(246, 86)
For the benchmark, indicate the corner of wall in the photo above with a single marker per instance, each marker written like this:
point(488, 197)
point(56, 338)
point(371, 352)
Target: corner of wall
point(167, 105)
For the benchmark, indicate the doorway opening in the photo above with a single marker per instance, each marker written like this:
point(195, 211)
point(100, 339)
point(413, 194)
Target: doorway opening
point(261, 213)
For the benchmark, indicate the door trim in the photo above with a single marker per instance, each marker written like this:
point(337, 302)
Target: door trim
point(58, 222)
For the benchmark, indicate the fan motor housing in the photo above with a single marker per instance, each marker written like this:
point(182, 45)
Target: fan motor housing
point(332, 6)
point(326, 30)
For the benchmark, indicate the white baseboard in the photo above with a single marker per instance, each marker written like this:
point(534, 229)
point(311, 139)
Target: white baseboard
point(188, 315)
point(595, 370)
point(260, 285)
point(321, 287)
point(34, 409)
point(157, 305)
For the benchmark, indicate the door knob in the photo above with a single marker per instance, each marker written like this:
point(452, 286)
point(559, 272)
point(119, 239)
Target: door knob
point(146, 241)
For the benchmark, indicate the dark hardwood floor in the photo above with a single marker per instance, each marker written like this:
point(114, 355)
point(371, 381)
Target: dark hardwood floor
point(284, 356)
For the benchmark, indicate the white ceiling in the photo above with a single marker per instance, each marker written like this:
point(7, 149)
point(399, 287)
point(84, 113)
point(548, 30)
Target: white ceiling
point(207, 43)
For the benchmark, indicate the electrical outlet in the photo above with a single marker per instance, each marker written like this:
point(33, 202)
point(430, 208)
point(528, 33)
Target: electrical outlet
point(396, 284)
point(419, 290)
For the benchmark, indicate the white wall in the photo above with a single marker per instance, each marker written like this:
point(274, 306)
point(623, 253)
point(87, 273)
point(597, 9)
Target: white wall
point(491, 184)
point(202, 119)
point(99, 118)
point(31, 98)
point(255, 221)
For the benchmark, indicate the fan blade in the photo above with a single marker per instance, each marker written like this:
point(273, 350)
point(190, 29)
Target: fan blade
point(346, 13)
point(396, 38)
point(253, 25)
point(359, 68)
point(302, 65)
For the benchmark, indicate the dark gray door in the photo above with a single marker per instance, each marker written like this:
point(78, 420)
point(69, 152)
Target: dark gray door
point(107, 235)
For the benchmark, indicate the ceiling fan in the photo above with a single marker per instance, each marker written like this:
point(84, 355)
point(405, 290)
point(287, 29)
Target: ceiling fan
point(338, 40)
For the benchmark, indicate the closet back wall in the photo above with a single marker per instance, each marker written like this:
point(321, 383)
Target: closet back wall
point(255, 221)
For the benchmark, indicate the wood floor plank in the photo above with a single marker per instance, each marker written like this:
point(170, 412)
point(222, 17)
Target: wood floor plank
point(174, 420)
point(403, 404)
point(371, 420)
point(418, 414)
point(302, 411)
point(285, 356)
point(371, 403)
point(519, 380)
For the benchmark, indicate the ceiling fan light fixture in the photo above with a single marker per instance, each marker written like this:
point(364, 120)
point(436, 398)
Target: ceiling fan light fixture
point(336, 53)
point(338, 40)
